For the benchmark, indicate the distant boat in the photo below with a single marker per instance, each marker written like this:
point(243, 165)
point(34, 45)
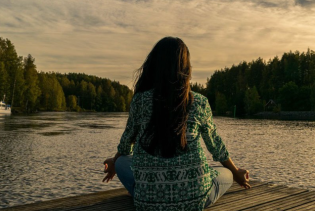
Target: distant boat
point(4, 108)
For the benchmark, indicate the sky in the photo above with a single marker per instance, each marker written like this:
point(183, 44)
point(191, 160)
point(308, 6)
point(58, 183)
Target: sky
point(111, 38)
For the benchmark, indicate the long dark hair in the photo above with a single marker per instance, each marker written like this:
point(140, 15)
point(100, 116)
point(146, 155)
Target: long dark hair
point(167, 71)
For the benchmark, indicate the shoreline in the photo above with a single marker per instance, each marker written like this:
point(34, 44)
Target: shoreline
point(287, 115)
point(282, 115)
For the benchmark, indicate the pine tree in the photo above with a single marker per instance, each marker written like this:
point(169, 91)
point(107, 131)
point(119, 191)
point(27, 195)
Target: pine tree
point(252, 101)
point(32, 90)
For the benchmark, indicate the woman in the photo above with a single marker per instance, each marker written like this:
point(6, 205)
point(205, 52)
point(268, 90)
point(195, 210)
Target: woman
point(160, 160)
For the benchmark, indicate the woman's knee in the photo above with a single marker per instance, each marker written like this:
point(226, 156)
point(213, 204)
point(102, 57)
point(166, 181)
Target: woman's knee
point(124, 172)
point(225, 176)
point(123, 162)
point(228, 175)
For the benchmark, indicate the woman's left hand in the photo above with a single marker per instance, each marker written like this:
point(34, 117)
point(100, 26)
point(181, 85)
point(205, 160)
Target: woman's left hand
point(109, 169)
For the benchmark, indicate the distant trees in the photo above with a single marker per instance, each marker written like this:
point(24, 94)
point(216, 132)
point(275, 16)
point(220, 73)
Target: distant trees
point(52, 97)
point(289, 81)
point(12, 74)
point(94, 93)
point(221, 103)
point(30, 90)
point(72, 102)
point(313, 97)
point(252, 101)
point(197, 87)
point(31, 84)
point(4, 80)
point(288, 95)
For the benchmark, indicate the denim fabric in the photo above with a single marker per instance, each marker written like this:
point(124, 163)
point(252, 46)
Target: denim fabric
point(220, 184)
point(124, 172)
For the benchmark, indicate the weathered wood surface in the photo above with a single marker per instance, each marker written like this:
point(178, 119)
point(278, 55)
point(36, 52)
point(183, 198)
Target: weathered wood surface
point(262, 196)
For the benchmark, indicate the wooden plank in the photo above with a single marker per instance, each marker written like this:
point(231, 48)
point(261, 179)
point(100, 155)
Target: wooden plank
point(262, 196)
point(287, 202)
point(306, 206)
point(74, 201)
point(249, 200)
point(237, 187)
point(123, 202)
point(248, 194)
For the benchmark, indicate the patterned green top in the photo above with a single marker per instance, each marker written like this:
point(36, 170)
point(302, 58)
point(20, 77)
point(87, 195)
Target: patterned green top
point(180, 183)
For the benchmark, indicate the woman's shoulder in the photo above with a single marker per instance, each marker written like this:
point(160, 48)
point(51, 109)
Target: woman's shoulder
point(142, 95)
point(199, 99)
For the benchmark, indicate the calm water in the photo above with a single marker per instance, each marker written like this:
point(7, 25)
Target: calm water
point(53, 155)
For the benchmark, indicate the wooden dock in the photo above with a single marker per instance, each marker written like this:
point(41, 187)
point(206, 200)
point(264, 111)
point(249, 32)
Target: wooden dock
point(262, 196)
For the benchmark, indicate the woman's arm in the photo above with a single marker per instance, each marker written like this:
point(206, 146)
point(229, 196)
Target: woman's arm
point(217, 148)
point(210, 136)
point(126, 142)
point(241, 176)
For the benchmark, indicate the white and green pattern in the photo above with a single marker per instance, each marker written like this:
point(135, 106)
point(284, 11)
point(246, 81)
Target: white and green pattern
point(180, 183)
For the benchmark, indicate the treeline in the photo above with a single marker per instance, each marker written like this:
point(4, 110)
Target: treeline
point(28, 90)
point(286, 83)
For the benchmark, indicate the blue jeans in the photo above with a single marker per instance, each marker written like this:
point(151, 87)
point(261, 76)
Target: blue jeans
point(124, 172)
point(220, 184)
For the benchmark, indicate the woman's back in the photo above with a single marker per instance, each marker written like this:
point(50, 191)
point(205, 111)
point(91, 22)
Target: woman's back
point(168, 169)
point(184, 181)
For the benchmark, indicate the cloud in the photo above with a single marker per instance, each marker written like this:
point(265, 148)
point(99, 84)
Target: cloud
point(305, 3)
point(279, 4)
point(111, 38)
point(269, 4)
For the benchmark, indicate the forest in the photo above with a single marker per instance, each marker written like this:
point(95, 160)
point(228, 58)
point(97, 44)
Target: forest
point(280, 84)
point(28, 90)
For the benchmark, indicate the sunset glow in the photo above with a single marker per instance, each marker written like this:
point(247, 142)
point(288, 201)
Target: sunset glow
point(111, 38)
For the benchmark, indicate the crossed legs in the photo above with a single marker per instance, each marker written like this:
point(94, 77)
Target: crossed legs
point(220, 184)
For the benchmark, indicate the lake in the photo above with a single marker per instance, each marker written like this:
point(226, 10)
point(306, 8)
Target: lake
point(52, 155)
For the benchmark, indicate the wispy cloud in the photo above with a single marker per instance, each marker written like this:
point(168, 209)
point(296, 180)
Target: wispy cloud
point(111, 38)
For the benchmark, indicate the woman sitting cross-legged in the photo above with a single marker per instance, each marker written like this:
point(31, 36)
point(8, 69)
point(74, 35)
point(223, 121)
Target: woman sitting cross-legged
point(160, 160)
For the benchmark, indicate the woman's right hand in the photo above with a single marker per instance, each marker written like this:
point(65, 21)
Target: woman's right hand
point(241, 176)
point(109, 169)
